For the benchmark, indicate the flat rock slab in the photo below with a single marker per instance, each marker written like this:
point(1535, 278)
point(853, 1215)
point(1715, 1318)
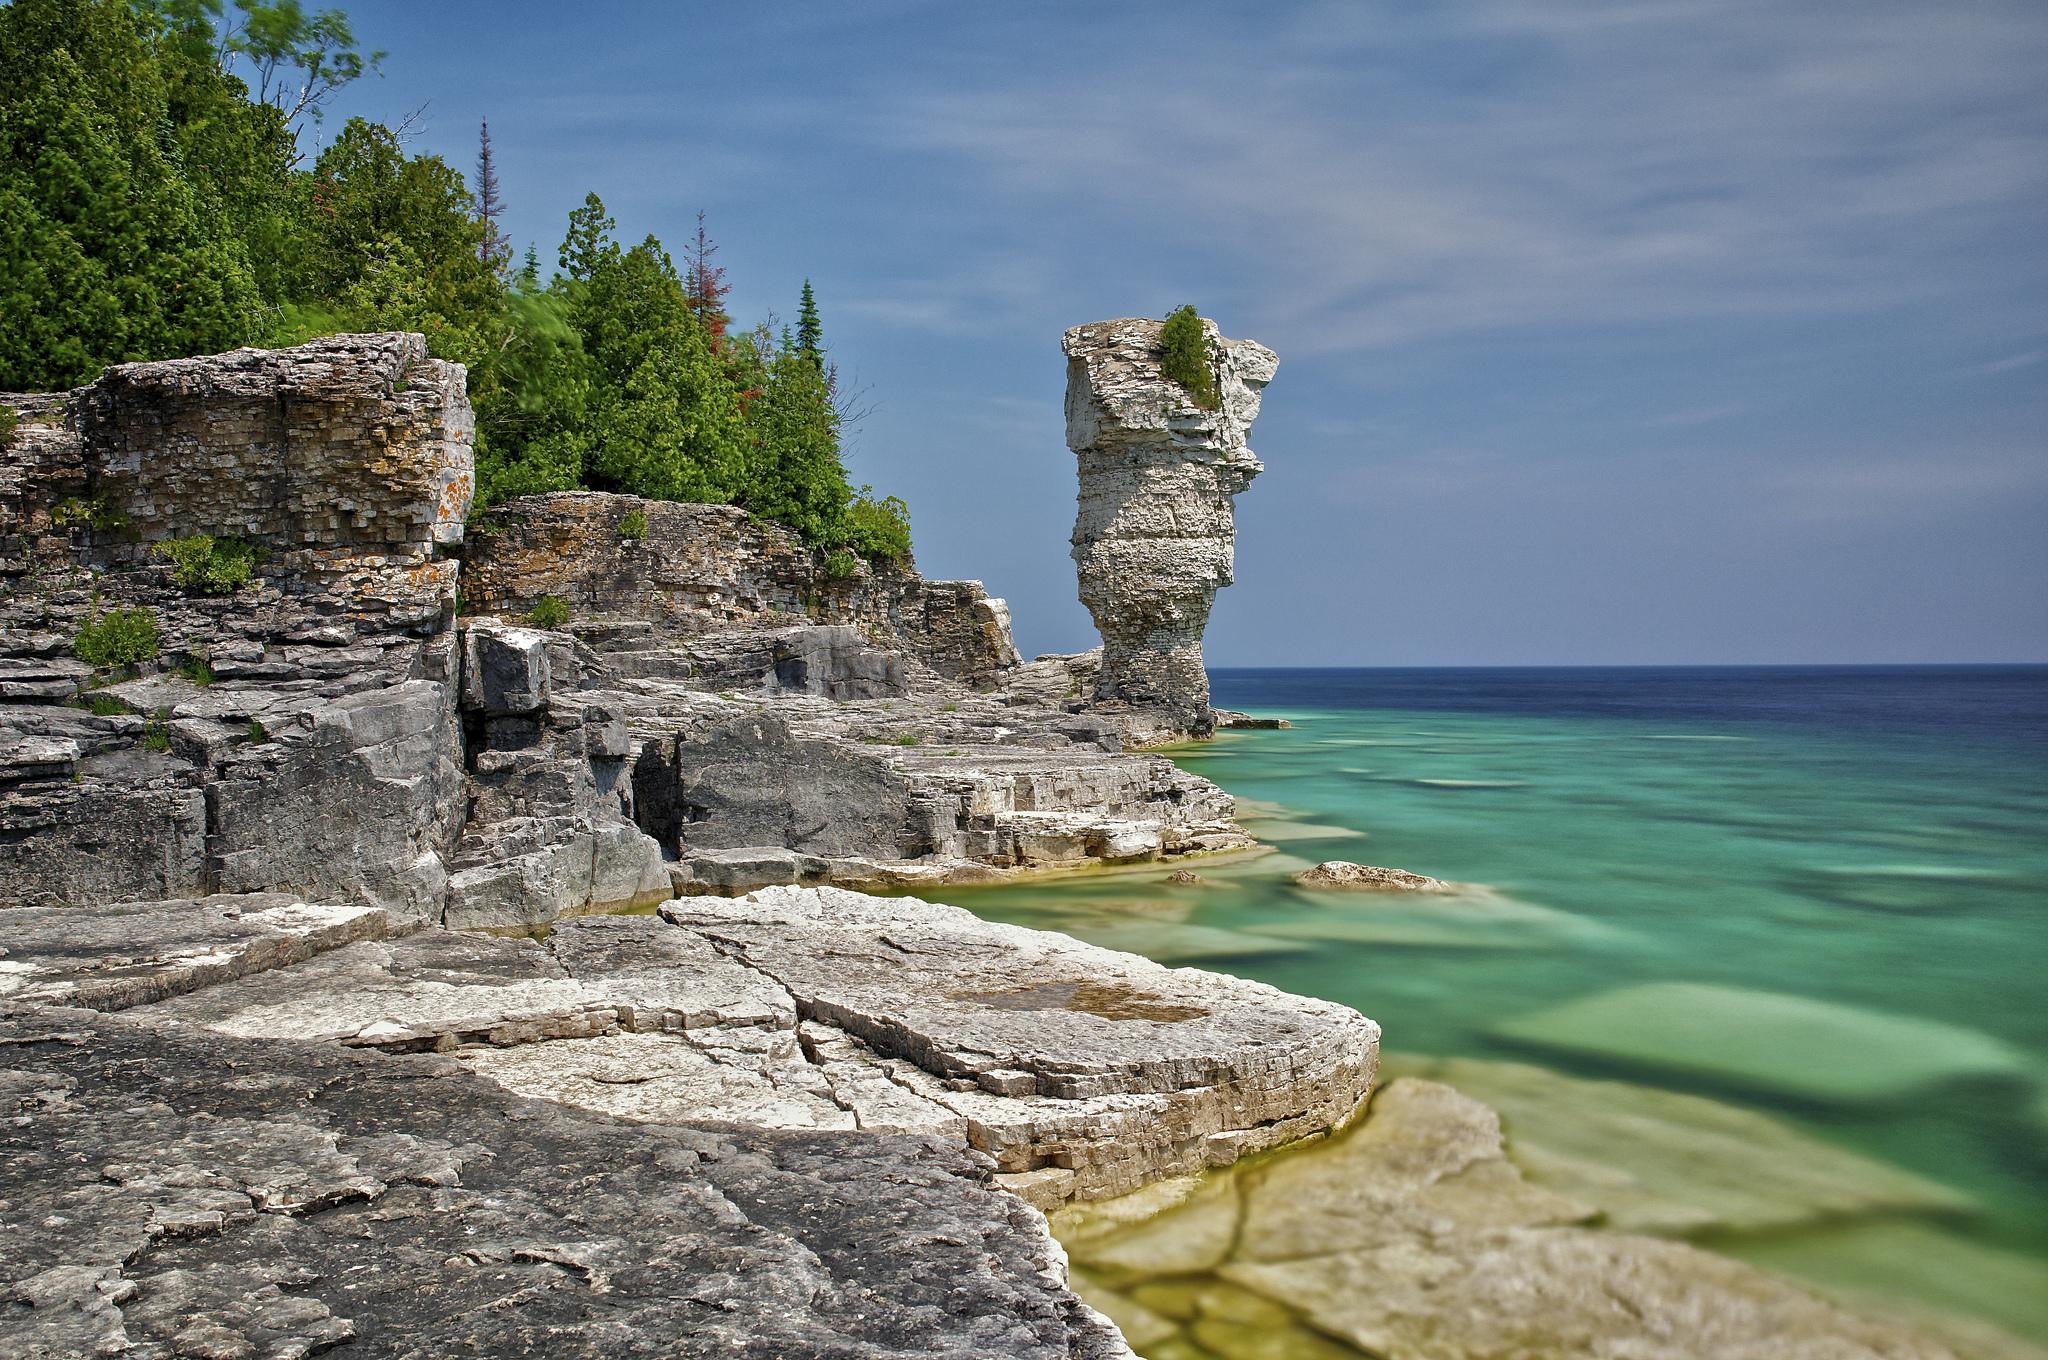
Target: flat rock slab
point(432, 990)
point(131, 953)
point(178, 1192)
point(1792, 1045)
point(1102, 1070)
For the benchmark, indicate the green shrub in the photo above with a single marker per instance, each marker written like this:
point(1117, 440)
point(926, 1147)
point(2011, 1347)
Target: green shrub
point(633, 526)
point(908, 739)
point(91, 511)
point(840, 564)
point(878, 530)
point(120, 637)
point(100, 705)
point(205, 565)
point(1185, 358)
point(257, 731)
point(156, 733)
point(9, 419)
point(551, 612)
point(199, 670)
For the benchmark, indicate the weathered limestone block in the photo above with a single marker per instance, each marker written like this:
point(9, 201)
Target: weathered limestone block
point(133, 953)
point(965, 634)
point(550, 828)
point(1155, 536)
point(352, 443)
point(128, 827)
point(356, 800)
point(435, 989)
point(504, 670)
point(836, 662)
point(1100, 1070)
point(749, 782)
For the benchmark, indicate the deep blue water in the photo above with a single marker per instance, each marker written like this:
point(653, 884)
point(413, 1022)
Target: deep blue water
point(1997, 702)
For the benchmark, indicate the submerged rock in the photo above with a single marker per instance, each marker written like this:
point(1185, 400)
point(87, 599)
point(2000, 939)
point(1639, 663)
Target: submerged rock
point(1412, 1236)
point(1337, 873)
point(1794, 1045)
point(1663, 1162)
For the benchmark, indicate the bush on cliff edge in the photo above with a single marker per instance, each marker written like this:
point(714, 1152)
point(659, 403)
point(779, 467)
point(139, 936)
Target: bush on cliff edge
point(1185, 358)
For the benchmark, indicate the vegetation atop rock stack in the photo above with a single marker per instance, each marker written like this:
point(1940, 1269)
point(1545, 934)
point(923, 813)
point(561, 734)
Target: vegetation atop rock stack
point(157, 203)
point(1184, 357)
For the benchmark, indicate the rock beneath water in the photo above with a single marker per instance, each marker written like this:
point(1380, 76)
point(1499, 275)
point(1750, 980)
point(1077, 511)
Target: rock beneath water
point(1232, 720)
point(1155, 536)
point(1661, 1162)
point(178, 1192)
point(1186, 878)
point(1792, 1045)
point(1337, 873)
point(1427, 1162)
point(1550, 1294)
point(1412, 1236)
point(1902, 1266)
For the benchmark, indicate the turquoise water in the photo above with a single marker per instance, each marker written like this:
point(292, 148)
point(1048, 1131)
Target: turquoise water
point(1819, 894)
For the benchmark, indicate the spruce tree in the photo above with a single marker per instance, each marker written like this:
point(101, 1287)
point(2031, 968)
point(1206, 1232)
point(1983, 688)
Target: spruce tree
point(810, 335)
point(494, 249)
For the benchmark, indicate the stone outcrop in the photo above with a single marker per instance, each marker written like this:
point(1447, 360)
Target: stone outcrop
point(1156, 536)
point(685, 571)
point(298, 734)
point(175, 1191)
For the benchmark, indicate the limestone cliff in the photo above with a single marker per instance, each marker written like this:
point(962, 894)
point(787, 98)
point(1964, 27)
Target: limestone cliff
point(1155, 537)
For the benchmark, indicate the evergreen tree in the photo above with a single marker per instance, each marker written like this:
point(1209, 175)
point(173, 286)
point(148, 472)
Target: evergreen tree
point(794, 475)
point(108, 250)
point(810, 335)
point(393, 243)
point(706, 286)
point(490, 206)
point(1184, 357)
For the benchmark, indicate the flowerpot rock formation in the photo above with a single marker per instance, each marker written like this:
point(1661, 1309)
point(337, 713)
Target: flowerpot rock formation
point(1155, 536)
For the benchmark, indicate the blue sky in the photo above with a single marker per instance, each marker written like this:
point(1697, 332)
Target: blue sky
point(1611, 331)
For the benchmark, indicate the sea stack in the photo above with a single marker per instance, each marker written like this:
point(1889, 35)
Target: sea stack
point(1156, 536)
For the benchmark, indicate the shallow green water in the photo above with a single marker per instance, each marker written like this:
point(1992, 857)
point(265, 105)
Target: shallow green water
point(1857, 919)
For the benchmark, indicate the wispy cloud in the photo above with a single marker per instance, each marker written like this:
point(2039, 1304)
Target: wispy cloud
point(2011, 363)
point(1616, 162)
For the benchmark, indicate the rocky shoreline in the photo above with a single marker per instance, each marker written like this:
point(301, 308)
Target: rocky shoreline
point(456, 938)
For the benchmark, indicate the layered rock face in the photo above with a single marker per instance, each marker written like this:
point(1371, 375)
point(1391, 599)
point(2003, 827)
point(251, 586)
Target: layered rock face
point(298, 733)
point(669, 573)
point(1155, 537)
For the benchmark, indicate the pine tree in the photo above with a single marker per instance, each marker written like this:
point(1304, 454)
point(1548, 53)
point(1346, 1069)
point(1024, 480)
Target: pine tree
point(810, 335)
point(705, 285)
point(494, 249)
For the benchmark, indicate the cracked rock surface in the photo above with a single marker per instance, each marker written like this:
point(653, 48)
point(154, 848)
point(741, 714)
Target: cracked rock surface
point(176, 1192)
point(1080, 1071)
